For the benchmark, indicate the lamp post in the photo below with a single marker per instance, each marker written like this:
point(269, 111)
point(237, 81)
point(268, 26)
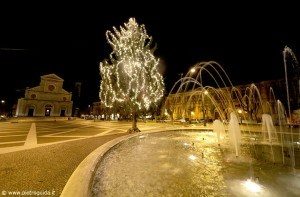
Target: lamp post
point(2, 108)
point(240, 114)
point(203, 106)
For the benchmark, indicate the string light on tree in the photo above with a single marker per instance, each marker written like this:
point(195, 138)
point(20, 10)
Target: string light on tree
point(130, 78)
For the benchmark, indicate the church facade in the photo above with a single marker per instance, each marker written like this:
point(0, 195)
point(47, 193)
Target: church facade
point(47, 99)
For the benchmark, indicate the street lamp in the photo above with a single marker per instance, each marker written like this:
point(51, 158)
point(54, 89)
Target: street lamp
point(193, 70)
point(240, 113)
point(204, 110)
point(2, 109)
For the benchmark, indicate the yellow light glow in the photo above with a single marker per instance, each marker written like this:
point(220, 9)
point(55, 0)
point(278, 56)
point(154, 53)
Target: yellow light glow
point(206, 92)
point(252, 186)
point(192, 113)
point(185, 144)
point(192, 157)
point(193, 70)
point(130, 77)
point(240, 111)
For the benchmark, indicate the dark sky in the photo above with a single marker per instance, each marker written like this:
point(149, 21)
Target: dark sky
point(71, 43)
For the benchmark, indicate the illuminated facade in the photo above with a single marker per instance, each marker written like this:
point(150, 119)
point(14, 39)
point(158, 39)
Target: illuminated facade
point(47, 99)
point(250, 101)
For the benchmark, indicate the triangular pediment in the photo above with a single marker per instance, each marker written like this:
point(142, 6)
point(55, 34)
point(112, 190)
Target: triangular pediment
point(37, 88)
point(51, 77)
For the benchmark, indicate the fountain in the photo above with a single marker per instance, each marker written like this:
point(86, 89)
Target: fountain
point(182, 162)
point(219, 129)
point(269, 132)
point(186, 162)
point(286, 53)
point(234, 133)
point(268, 128)
point(162, 165)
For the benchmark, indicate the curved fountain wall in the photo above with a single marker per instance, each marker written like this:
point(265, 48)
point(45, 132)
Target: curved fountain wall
point(186, 163)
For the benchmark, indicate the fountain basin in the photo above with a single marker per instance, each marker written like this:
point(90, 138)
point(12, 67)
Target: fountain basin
point(184, 163)
point(230, 173)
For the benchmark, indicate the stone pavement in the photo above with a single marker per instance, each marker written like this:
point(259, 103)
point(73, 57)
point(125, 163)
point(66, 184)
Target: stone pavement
point(46, 168)
point(42, 155)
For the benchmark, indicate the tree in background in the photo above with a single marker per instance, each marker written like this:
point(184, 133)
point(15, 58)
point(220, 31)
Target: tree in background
point(130, 78)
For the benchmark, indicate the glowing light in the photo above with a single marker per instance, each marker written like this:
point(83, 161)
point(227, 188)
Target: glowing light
point(192, 157)
point(206, 92)
point(252, 186)
point(2, 101)
point(130, 77)
point(193, 70)
point(240, 111)
point(185, 144)
point(192, 113)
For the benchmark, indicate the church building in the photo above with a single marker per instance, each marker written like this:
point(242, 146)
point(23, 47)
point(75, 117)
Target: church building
point(47, 99)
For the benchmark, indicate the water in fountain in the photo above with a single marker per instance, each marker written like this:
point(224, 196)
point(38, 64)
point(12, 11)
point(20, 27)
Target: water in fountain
point(268, 128)
point(165, 164)
point(193, 84)
point(219, 129)
point(281, 122)
point(287, 52)
point(189, 166)
point(269, 132)
point(234, 133)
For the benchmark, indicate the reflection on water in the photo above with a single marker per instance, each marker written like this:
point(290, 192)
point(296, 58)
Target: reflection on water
point(181, 163)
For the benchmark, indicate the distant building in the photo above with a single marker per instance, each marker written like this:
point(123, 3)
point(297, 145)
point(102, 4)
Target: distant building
point(97, 108)
point(251, 102)
point(100, 111)
point(47, 99)
point(77, 99)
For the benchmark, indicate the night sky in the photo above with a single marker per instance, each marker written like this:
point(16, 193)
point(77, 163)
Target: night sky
point(71, 43)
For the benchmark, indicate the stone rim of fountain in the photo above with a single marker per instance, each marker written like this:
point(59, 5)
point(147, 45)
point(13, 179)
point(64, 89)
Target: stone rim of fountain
point(79, 183)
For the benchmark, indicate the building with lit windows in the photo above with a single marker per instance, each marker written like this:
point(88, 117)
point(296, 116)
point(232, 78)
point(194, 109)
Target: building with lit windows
point(47, 99)
point(250, 101)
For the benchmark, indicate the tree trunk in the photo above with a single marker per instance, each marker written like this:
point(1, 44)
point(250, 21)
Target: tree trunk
point(134, 128)
point(134, 121)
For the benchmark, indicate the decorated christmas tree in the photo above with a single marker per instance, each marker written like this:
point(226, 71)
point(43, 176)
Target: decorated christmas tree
point(130, 78)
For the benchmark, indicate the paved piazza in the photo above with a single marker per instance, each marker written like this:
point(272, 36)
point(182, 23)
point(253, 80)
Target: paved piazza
point(42, 155)
point(13, 135)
